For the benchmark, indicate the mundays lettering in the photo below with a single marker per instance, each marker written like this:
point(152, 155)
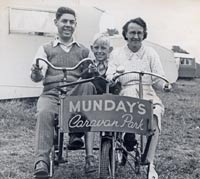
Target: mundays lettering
point(107, 105)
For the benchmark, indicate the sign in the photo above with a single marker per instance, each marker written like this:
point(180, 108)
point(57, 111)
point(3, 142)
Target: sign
point(106, 113)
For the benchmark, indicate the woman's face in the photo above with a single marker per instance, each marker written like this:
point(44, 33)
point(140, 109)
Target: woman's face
point(135, 36)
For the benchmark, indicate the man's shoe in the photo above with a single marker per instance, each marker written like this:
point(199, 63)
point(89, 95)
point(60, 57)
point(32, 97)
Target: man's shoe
point(75, 143)
point(152, 172)
point(129, 141)
point(89, 164)
point(41, 170)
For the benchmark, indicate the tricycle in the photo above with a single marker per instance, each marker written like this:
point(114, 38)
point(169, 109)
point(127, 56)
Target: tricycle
point(112, 116)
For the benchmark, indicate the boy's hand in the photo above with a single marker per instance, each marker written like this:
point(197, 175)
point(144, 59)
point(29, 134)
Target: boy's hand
point(167, 87)
point(112, 83)
point(92, 68)
point(115, 88)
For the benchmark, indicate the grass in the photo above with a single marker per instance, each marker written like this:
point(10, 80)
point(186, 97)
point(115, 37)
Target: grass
point(177, 156)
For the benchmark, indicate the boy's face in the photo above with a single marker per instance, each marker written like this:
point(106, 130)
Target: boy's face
point(101, 50)
point(66, 26)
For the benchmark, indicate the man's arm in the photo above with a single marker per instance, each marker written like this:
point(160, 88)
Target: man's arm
point(38, 71)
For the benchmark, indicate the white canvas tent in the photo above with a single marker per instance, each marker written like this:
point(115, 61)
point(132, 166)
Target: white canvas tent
point(166, 57)
point(25, 25)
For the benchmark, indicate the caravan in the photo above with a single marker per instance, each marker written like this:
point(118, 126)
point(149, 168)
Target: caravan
point(25, 25)
point(187, 65)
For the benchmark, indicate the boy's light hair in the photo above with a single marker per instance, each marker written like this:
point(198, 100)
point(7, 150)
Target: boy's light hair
point(103, 37)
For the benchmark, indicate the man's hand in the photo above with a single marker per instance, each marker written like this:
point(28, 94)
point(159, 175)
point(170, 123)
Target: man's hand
point(35, 68)
point(167, 87)
point(36, 73)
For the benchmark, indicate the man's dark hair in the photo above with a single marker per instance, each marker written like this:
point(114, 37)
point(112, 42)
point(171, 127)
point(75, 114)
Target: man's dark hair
point(64, 10)
point(138, 21)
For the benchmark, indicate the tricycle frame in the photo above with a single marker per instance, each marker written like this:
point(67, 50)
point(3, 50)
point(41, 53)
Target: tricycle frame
point(112, 139)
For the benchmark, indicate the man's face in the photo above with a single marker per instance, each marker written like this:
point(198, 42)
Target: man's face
point(134, 35)
point(66, 26)
point(101, 50)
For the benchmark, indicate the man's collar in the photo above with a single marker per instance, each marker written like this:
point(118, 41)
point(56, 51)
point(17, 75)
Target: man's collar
point(57, 42)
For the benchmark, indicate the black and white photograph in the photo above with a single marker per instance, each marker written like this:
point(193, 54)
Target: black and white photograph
point(99, 89)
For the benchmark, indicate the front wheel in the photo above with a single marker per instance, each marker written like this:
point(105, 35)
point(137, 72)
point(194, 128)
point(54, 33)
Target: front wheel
point(105, 159)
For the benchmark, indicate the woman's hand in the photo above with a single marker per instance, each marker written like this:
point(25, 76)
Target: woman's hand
point(167, 87)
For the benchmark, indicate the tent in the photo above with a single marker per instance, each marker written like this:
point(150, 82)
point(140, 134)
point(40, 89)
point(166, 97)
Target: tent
point(27, 25)
point(166, 57)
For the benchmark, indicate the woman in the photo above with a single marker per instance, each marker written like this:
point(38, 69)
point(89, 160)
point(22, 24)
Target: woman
point(138, 57)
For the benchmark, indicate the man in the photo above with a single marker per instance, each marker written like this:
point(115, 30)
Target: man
point(63, 51)
point(137, 57)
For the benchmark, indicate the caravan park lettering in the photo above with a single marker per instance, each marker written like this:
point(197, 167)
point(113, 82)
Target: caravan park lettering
point(127, 121)
point(127, 111)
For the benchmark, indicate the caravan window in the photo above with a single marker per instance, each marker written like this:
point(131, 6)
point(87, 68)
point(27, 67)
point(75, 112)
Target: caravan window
point(182, 61)
point(29, 21)
point(185, 61)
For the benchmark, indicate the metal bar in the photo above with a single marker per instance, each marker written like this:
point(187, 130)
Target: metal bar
point(143, 73)
point(61, 111)
point(113, 153)
point(64, 68)
point(100, 150)
point(141, 97)
point(60, 145)
point(82, 81)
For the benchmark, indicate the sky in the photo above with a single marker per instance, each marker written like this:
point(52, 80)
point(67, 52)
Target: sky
point(169, 22)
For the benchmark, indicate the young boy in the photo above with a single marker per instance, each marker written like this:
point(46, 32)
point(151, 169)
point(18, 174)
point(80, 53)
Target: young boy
point(101, 48)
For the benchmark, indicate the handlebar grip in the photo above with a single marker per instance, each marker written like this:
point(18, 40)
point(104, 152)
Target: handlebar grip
point(37, 62)
point(116, 76)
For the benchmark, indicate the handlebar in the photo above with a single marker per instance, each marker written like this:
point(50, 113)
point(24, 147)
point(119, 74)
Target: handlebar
point(64, 68)
point(83, 81)
point(141, 73)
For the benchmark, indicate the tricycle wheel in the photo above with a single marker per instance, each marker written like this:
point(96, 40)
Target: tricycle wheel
point(105, 159)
